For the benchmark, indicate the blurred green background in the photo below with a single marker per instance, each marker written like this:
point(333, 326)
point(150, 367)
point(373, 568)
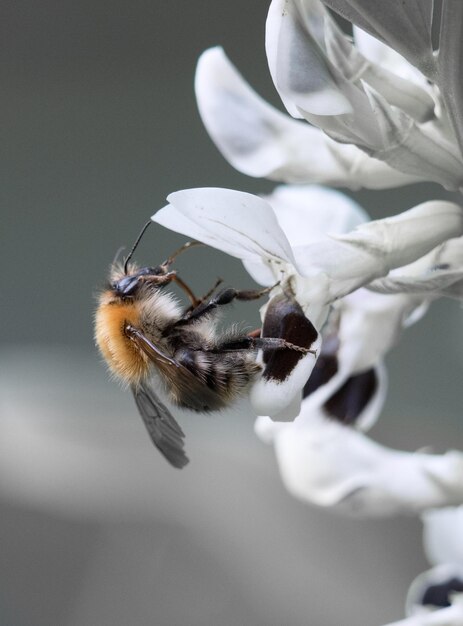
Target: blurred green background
point(99, 124)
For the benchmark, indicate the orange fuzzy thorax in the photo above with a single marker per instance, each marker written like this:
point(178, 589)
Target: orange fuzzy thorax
point(123, 358)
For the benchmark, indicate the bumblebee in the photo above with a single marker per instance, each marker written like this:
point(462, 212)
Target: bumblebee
point(143, 332)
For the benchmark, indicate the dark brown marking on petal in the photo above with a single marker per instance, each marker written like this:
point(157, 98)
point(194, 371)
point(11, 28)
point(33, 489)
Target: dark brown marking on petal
point(285, 319)
point(438, 595)
point(348, 402)
point(325, 367)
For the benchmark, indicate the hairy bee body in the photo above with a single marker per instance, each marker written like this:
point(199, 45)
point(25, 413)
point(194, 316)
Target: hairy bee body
point(126, 361)
point(223, 376)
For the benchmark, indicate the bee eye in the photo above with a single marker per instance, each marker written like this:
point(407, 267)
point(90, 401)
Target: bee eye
point(126, 286)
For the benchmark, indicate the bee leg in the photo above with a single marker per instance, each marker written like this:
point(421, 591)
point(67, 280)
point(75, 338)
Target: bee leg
point(186, 246)
point(264, 343)
point(226, 296)
point(205, 297)
point(276, 343)
point(191, 296)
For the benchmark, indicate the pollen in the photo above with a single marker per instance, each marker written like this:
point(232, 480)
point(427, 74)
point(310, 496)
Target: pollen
point(124, 359)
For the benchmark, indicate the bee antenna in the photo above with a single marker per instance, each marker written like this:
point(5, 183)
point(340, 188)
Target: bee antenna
point(129, 256)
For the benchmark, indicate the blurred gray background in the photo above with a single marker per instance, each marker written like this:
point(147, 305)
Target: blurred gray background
point(99, 124)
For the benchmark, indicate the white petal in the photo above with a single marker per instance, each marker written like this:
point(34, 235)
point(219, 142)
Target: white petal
point(305, 212)
point(238, 223)
point(269, 397)
point(327, 464)
point(259, 140)
point(436, 283)
point(244, 127)
point(417, 150)
point(360, 332)
point(333, 401)
point(430, 615)
point(443, 531)
point(406, 27)
point(262, 272)
point(362, 170)
point(354, 67)
point(373, 249)
point(381, 54)
point(371, 326)
point(438, 273)
point(300, 73)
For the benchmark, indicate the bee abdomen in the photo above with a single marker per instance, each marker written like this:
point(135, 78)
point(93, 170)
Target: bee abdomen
point(226, 376)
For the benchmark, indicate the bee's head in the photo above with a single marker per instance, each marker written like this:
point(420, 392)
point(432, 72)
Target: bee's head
point(128, 284)
point(127, 280)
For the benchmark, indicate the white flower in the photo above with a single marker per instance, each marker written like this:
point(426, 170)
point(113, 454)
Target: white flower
point(322, 270)
point(331, 465)
point(407, 27)
point(322, 77)
point(259, 140)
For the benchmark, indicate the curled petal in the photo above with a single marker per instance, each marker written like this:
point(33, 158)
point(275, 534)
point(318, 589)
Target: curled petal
point(373, 249)
point(370, 325)
point(284, 371)
point(349, 381)
point(327, 464)
point(439, 273)
point(260, 141)
point(399, 92)
point(414, 149)
point(353, 399)
point(432, 285)
point(238, 223)
point(435, 598)
point(434, 588)
point(301, 73)
point(381, 54)
point(307, 212)
point(405, 26)
point(272, 397)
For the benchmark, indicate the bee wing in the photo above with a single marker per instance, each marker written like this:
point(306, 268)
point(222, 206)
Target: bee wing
point(196, 394)
point(164, 431)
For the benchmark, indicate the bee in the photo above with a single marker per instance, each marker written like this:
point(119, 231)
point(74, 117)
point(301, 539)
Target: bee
point(143, 332)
